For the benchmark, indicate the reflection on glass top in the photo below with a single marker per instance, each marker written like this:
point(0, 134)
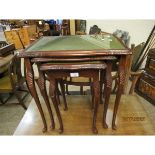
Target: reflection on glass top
point(83, 42)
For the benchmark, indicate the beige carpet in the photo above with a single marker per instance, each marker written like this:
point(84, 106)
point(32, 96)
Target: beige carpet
point(12, 114)
point(77, 120)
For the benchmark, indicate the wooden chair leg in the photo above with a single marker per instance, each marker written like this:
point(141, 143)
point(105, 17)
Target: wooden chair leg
point(81, 90)
point(135, 78)
point(67, 91)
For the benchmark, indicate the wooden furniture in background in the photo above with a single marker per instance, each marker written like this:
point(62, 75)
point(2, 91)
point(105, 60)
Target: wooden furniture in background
point(80, 26)
point(4, 63)
point(135, 75)
point(12, 81)
point(65, 27)
point(18, 36)
point(145, 85)
point(150, 43)
point(6, 55)
point(21, 37)
point(6, 48)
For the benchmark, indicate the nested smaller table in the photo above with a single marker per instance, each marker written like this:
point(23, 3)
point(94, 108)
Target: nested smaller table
point(64, 70)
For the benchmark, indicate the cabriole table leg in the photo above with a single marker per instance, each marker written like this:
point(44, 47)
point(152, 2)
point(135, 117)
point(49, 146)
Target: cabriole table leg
point(32, 89)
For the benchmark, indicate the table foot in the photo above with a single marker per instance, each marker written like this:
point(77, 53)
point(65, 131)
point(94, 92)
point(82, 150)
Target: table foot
point(105, 126)
point(52, 126)
point(66, 108)
point(60, 130)
point(95, 131)
point(44, 129)
point(114, 127)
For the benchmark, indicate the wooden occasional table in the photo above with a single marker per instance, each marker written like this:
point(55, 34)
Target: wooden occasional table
point(77, 48)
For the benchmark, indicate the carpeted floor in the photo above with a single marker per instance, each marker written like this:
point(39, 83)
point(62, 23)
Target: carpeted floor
point(11, 114)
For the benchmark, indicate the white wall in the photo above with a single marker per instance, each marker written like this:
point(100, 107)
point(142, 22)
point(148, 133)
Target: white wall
point(139, 30)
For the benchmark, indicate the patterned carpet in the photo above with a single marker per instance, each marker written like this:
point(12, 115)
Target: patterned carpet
point(11, 114)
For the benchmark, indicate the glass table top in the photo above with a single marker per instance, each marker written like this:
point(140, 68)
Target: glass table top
point(77, 42)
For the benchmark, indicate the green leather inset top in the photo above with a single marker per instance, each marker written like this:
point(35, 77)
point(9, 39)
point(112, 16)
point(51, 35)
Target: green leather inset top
point(83, 42)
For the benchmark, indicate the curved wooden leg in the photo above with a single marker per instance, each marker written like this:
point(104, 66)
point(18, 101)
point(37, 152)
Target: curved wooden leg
point(121, 80)
point(52, 92)
point(32, 89)
point(63, 93)
point(42, 87)
point(102, 74)
point(25, 73)
point(57, 93)
point(96, 85)
point(118, 98)
point(92, 94)
point(108, 85)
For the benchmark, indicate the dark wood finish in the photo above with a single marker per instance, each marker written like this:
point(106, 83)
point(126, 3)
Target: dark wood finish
point(120, 54)
point(135, 77)
point(72, 59)
point(32, 89)
point(150, 63)
point(65, 27)
point(107, 89)
point(84, 70)
point(121, 80)
point(145, 85)
point(62, 86)
point(150, 43)
point(42, 87)
point(12, 81)
point(7, 49)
